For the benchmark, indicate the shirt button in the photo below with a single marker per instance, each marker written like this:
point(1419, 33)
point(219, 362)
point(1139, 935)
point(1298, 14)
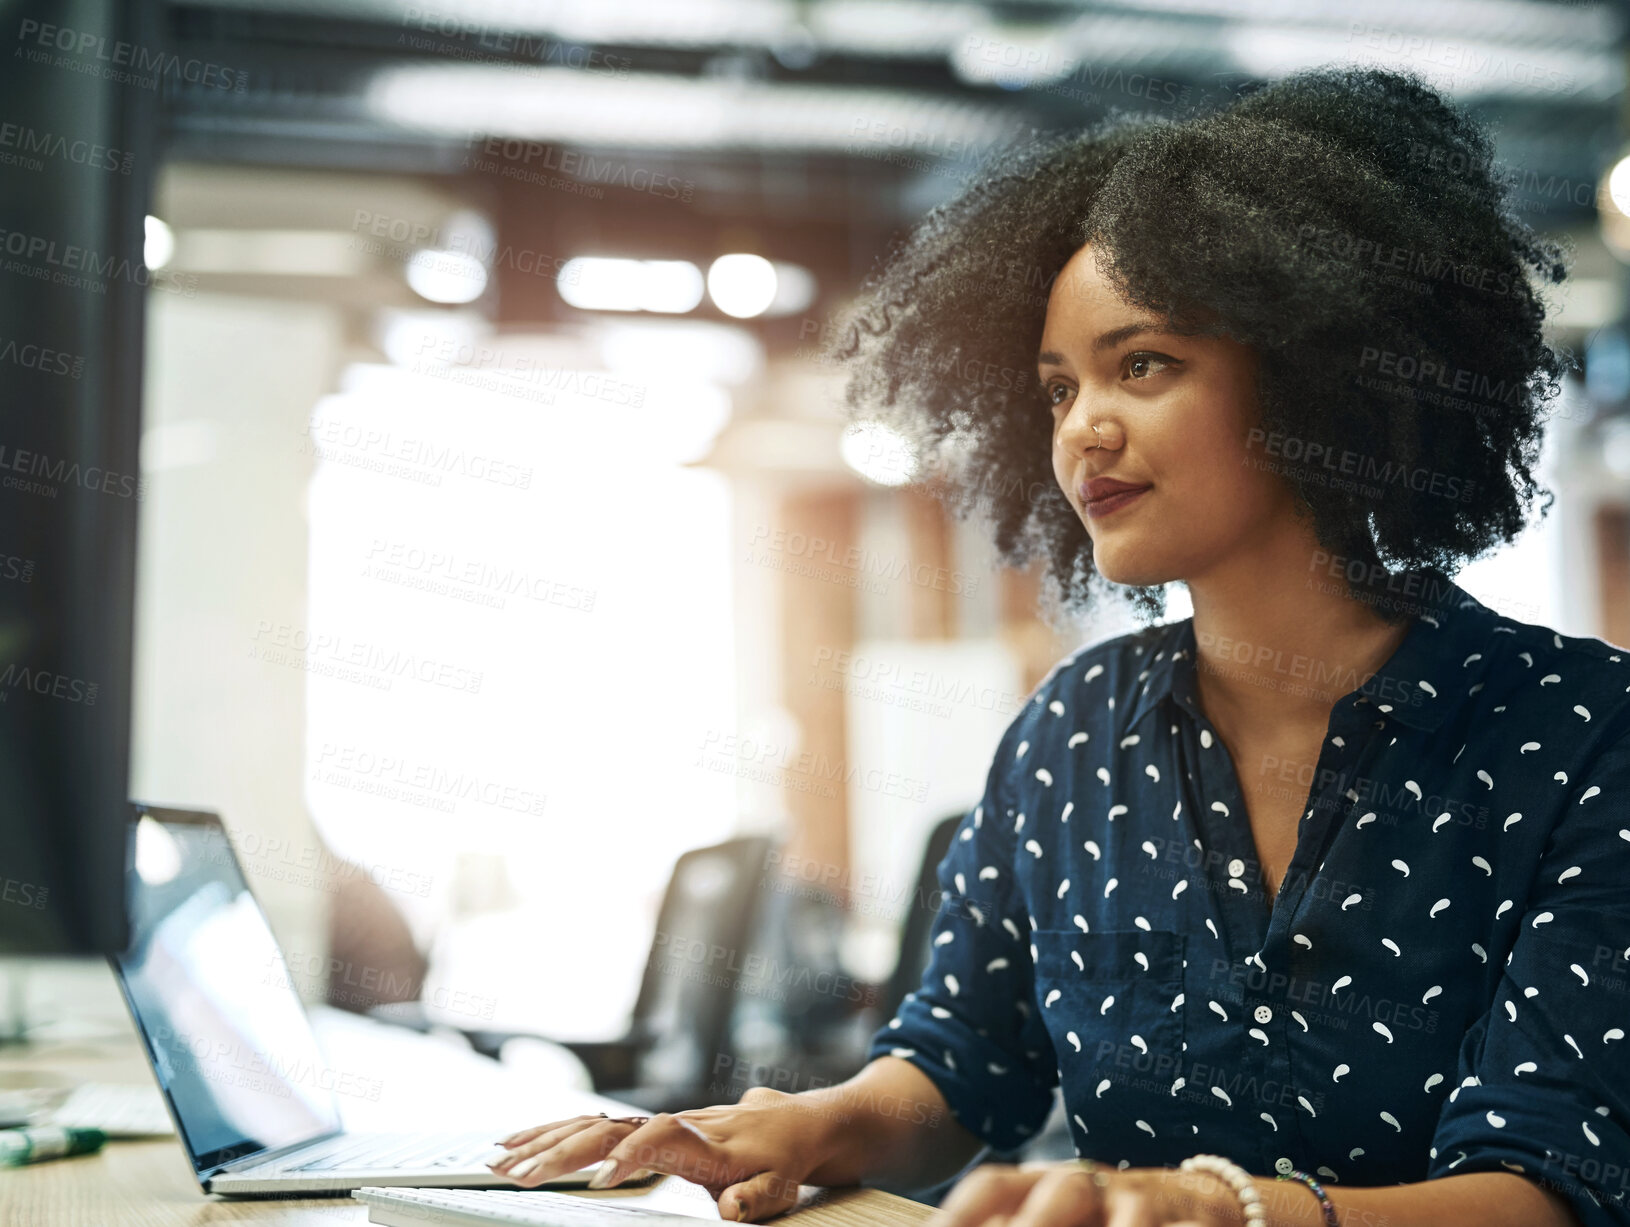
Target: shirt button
point(1283, 1166)
point(1236, 867)
point(1263, 1014)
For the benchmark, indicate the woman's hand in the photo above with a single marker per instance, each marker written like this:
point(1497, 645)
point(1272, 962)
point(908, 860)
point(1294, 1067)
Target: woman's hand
point(750, 1156)
point(1064, 1195)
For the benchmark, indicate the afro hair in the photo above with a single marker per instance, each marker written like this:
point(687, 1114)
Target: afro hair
point(1394, 307)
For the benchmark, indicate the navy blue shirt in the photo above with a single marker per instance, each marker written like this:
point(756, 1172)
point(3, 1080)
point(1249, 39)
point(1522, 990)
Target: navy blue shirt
point(1439, 987)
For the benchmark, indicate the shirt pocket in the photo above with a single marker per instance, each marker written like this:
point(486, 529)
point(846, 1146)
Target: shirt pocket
point(1110, 996)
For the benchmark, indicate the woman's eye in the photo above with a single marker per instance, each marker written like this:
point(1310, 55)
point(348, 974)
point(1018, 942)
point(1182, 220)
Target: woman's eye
point(1052, 394)
point(1144, 364)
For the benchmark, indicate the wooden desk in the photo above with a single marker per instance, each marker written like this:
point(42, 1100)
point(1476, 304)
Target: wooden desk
point(151, 1184)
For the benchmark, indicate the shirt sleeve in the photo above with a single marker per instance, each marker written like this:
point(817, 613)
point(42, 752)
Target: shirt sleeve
point(1544, 1077)
point(971, 1025)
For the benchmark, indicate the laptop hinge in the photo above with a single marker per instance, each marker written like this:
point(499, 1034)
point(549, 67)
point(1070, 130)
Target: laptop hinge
point(264, 1156)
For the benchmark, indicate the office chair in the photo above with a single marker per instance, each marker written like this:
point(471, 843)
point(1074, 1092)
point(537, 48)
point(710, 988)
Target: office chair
point(680, 1027)
point(916, 931)
point(793, 1040)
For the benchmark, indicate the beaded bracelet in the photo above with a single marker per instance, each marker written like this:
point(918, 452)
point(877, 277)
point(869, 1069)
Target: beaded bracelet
point(1330, 1219)
point(1238, 1179)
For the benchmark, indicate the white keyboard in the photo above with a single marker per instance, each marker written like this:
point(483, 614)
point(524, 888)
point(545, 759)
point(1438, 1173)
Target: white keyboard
point(117, 1110)
point(472, 1208)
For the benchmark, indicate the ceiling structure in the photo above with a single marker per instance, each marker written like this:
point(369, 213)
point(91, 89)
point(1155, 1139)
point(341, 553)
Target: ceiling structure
point(817, 128)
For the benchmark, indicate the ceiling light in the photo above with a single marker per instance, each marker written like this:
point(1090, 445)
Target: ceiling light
point(741, 284)
point(1613, 208)
point(605, 283)
point(671, 286)
point(1618, 185)
point(440, 275)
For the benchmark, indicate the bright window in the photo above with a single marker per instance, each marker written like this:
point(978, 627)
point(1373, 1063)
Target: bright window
point(519, 638)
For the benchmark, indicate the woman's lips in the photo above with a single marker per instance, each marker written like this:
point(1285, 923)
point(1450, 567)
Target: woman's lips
point(1113, 502)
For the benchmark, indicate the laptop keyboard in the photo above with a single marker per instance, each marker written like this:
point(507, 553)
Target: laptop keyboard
point(388, 1151)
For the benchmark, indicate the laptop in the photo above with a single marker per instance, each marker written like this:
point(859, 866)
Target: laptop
point(253, 1101)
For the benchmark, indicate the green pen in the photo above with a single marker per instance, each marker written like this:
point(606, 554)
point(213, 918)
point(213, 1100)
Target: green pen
point(40, 1142)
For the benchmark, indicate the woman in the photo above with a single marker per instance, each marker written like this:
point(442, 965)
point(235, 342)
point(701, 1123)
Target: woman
point(1328, 880)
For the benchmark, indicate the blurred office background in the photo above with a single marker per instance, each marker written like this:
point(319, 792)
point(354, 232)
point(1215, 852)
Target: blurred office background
point(502, 543)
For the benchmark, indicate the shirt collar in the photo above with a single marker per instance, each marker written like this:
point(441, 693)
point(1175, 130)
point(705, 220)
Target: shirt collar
point(1416, 686)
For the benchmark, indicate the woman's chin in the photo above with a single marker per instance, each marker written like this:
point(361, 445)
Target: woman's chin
point(1118, 568)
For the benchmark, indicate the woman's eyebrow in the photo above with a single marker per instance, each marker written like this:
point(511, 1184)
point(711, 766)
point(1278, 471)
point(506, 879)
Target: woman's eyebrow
point(1109, 340)
point(1117, 336)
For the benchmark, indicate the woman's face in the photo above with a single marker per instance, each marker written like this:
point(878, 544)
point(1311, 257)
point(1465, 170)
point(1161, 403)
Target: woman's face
point(1173, 414)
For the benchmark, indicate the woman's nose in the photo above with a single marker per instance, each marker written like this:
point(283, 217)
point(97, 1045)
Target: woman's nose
point(1082, 431)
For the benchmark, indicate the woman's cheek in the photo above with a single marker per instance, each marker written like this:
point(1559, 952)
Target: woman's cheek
point(1061, 471)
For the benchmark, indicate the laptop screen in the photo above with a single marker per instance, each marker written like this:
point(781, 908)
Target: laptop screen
point(206, 983)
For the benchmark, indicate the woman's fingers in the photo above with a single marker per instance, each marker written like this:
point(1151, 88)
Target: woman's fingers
point(555, 1154)
point(987, 1191)
point(1062, 1197)
point(540, 1143)
point(526, 1135)
point(758, 1198)
point(1129, 1208)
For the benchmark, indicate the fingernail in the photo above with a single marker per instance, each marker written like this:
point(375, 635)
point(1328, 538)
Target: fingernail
point(741, 1213)
point(521, 1169)
point(604, 1174)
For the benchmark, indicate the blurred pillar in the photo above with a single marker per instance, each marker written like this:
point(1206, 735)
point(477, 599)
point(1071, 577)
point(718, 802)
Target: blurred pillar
point(241, 373)
point(818, 624)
